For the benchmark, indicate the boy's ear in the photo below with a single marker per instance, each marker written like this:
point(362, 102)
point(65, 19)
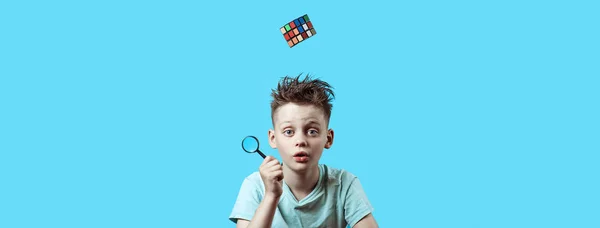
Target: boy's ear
point(329, 139)
point(272, 139)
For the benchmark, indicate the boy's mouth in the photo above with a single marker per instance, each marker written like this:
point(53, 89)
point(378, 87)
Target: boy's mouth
point(301, 157)
point(301, 154)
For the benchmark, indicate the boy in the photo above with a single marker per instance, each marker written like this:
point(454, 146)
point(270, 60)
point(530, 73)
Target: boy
point(301, 192)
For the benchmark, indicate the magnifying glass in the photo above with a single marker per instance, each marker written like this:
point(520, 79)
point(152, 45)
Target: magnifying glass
point(250, 145)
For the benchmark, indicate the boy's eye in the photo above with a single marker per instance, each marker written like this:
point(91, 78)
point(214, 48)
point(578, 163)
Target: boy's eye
point(313, 132)
point(288, 132)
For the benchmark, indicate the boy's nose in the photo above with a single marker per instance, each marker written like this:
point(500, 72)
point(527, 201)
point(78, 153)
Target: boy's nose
point(300, 141)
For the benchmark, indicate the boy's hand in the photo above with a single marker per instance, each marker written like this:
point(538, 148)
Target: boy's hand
point(271, 173)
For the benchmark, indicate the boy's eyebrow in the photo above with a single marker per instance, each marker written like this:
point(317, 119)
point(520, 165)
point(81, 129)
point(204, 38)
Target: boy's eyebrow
point(314, 122)
point(310, 121)
point(284, 122)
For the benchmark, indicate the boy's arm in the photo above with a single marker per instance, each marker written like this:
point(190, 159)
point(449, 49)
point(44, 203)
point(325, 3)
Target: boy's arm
point(367, 222)
point(263, 217)
point(271, 173)
point(242, 223)
point(357, 208)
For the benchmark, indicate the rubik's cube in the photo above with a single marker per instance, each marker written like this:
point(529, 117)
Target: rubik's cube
point(298, 30)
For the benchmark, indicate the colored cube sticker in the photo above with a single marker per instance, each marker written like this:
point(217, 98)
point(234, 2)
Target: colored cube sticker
point(297, 30)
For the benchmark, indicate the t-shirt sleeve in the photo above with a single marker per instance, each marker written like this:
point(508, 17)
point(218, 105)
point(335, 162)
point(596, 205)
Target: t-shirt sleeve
point(247, 201)
point(356, 205)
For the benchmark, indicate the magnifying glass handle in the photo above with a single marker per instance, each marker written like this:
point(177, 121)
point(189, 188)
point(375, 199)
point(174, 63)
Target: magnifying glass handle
point(261, 154)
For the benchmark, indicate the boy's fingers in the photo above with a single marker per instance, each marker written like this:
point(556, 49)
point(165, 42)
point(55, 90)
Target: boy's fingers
point(278, 175)
point(273, 163)
point(267, 160)
point(277, 172)
point(273, 168)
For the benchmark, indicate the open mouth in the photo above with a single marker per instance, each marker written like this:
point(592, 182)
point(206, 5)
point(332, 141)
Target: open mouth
point(301, 154)
point(301, 157)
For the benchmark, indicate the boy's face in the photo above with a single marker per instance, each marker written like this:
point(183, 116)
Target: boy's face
point(300, 134)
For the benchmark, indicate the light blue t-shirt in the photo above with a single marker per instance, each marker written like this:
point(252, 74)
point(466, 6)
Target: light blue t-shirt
point(338, 200)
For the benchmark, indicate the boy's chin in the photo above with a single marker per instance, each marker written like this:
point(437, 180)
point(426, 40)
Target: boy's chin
point(300, 167)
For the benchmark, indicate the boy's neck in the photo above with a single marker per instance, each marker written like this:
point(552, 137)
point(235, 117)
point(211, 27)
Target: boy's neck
point(301, 184)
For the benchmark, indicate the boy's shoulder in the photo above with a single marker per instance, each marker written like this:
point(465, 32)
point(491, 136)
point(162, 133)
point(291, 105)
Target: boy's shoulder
point(255, 180)
point(336, 176)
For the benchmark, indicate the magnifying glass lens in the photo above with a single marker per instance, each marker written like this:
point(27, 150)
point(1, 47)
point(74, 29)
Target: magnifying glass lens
point(250, 144)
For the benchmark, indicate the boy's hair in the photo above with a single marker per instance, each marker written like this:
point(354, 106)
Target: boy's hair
point(307, 91)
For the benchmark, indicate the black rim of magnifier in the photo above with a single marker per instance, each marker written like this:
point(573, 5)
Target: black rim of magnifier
point(257, 146)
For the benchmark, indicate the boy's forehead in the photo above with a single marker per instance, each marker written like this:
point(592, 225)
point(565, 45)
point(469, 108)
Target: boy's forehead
point(292, 112)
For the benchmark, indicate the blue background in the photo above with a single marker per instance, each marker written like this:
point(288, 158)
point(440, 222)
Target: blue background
point(452, 113)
